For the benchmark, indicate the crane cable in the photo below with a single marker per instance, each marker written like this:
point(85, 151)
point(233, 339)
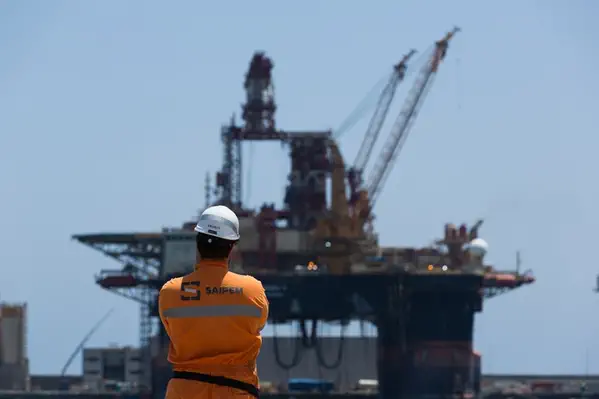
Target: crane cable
point(84, 341)
point(360, 110)
point(363, 338)
point(371, 99)
point(297, 351)
point(308, 341)
point(339, 358)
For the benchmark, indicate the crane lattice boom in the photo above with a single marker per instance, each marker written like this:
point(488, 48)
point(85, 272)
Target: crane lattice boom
point(380, 114)
point(406, 118)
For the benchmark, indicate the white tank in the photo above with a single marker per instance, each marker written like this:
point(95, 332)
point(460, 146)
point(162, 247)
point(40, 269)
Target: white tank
point(478, 247)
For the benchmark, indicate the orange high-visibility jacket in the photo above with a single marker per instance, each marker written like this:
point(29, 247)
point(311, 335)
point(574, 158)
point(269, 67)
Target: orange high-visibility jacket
point(213, 318)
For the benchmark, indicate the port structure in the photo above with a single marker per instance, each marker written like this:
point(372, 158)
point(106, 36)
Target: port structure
point(322, 262)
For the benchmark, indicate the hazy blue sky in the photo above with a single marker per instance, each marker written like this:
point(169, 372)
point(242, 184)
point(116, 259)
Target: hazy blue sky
point(110, 113)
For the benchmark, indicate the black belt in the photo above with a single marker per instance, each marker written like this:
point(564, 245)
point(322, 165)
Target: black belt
point(218, 380)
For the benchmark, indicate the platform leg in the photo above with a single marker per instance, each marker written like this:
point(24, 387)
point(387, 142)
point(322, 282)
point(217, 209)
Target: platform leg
point(391, 342)
point(390, 357)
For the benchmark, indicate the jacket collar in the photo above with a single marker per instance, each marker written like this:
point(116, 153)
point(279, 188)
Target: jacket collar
point(212, 263)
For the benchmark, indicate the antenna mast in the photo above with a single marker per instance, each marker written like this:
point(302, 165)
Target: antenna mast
point(207, 192)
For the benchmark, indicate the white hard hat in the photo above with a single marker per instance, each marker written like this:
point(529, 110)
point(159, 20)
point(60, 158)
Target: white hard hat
point(219, 221)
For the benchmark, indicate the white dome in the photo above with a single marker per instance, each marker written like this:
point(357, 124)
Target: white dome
point(478, 247)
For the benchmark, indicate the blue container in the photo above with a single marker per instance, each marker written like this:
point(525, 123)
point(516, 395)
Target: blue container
point(309, 385)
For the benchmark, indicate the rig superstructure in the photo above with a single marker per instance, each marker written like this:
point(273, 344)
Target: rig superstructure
point(422, 300)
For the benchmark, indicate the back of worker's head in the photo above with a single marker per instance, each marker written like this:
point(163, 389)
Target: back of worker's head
point(218, 232)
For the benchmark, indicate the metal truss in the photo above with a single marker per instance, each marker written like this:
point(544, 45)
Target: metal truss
point(140, 255)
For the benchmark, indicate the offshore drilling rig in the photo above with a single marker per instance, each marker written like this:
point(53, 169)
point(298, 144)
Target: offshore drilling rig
point(422, 300)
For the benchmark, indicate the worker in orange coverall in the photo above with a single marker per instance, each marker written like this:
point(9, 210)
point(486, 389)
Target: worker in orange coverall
point(213, 318)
